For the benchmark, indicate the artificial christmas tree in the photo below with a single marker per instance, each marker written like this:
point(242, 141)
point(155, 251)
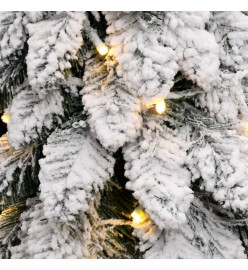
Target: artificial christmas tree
point(126, 135)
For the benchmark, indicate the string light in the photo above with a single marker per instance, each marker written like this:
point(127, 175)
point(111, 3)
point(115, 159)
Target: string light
point(160, 107)
point(102, 49)
point(138, 215)
point(244, 127)
point(246, 130)
point(5, 118)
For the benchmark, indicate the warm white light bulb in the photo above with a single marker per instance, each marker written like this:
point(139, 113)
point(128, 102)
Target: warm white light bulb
point(5, 118)
point(138, 215)
point(246, 130)
point(245, 127)
point(160, 107)
point(102, 49)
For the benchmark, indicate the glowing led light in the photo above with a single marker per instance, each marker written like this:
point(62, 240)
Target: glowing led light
point(102, 49)
point(160, 107)
point(245, 126)
point(138, 215)
point(5, 118)
point(246, 129)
